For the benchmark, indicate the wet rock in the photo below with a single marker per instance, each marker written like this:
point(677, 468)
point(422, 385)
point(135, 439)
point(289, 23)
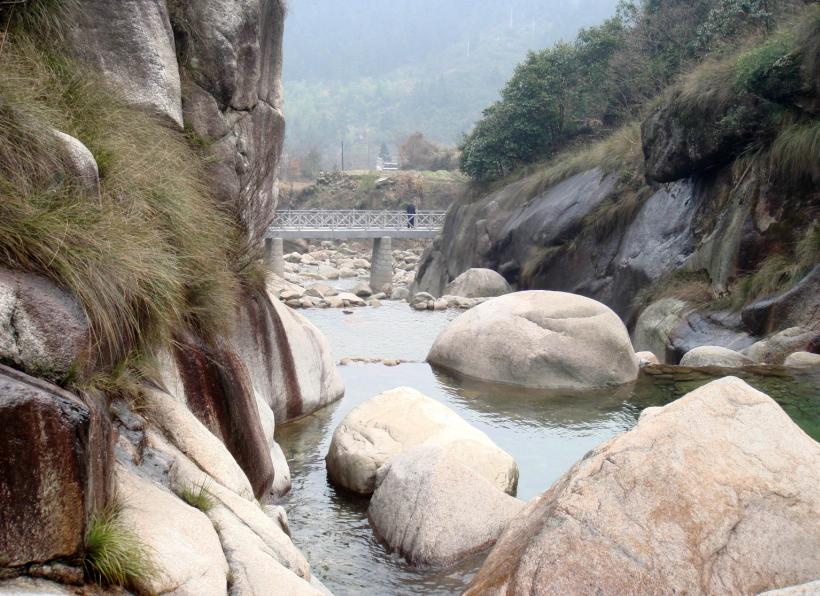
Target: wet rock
point(385, 425)
point(43, 329)
point(350, 299)
point(346, 273)
point(714, 493)
point(547, 339)
point(462, 514)
point(774, 349)
point(182, 541)
point(400, 294)
point(802, 360)
point(56, 454)
point(131, 45)
point(478, 283)
point(715, 356)
point(440, 304)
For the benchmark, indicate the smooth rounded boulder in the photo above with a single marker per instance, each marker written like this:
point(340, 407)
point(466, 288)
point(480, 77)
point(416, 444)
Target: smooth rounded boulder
point(541, 340)
point(478, 283)
point(715, 493)
point(462, 514)
point(802, 360)
point(383, 426)
point(715, 356)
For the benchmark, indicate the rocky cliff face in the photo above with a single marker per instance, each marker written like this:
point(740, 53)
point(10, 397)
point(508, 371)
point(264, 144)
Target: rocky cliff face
point(203, 418)
point(212, 66)
point(693, 216)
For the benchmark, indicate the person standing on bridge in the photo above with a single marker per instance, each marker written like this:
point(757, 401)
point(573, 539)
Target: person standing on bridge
point(411, 215)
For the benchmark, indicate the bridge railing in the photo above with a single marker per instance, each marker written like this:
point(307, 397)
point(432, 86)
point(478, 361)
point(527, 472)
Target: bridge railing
point(352, 219)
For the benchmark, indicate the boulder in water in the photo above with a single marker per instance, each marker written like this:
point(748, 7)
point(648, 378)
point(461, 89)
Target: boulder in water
point(715, 356)
point(463, 513)
point(383, 426)
point(478, 283)
point(715, 493)
point(538, 339)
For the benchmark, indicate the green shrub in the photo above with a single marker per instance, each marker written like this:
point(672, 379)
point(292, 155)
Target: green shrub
point(114, 554)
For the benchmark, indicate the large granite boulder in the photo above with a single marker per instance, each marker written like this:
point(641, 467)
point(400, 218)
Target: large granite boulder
point(131, 45)
point(539, 339)
point(704, 356)
point(714, 493)
point(231, 61)
point(56, 457)
point(43, 329)
point(462, 514)
point(383, 426)
point(290, 363)
point(181, 540)
point(478, 283)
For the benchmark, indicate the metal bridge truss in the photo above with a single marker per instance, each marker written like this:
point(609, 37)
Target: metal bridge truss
point(351, 223)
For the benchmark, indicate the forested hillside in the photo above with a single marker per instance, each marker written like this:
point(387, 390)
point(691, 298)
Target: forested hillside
point(422, 66)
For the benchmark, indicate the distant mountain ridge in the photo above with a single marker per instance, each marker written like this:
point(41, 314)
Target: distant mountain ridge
point(369, 72)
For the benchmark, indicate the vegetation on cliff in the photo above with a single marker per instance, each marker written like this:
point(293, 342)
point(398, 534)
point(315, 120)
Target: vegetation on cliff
point(612, 74)
point(148, 251)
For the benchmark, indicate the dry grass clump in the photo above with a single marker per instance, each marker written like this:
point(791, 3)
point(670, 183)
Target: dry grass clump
point(152, 252)
point(619, 152)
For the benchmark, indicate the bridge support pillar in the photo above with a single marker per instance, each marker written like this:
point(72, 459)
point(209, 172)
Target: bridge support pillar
point(381, 265)
point(275, 255)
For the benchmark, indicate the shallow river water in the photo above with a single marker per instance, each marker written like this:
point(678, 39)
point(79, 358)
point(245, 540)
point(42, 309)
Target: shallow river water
point(545, 433)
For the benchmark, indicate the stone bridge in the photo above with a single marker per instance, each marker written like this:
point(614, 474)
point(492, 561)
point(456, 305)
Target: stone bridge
point(350, 224)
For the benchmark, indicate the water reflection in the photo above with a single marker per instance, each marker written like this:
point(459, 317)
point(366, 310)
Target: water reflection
point(546, 433)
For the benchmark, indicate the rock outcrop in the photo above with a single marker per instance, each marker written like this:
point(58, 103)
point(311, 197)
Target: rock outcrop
point(713, 493)
point(213, 66)
point(538, 339)
point(181, 539)
point(289, 360)
point(130, 44)
point(231, 63)
point(715, 356)
point(385, 425)
point(43, 329)
point(55, 469)
point(462, 512)
point(478, 283)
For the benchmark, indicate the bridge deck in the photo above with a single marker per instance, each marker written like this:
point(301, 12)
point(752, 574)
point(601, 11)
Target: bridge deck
point(352, 224)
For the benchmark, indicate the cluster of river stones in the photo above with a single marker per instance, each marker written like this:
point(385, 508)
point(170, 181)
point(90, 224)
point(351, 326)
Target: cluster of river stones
point(309, 281)
point(716, 492)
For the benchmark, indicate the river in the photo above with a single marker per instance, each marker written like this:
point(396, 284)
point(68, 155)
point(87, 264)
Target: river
point(545, 433)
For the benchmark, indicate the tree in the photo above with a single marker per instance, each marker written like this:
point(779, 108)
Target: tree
point(311, 164)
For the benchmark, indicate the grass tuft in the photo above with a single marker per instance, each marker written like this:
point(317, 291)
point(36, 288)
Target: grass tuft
point(114, 554)
point(149, 254)
point(197, 496)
